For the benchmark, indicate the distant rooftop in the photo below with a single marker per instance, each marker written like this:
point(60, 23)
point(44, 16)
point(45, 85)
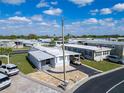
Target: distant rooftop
point(94, 48)
point(104, 42)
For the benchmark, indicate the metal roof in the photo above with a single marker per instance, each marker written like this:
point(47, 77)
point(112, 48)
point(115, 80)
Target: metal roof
point(94, 48)
point(55, 51)
point(103, 42)
point(39, 55)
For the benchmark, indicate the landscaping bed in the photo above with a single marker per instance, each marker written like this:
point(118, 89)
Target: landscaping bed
point(56, 79)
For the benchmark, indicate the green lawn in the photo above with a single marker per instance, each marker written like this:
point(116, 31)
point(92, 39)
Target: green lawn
point(103, 65)
point(22, 63)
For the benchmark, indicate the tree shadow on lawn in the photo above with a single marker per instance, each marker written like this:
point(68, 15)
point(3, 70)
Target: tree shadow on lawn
point(31, 63)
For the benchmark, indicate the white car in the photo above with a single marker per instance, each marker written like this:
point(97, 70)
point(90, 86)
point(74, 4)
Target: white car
point(9, 69)
point(4, 81)
point(115, 58)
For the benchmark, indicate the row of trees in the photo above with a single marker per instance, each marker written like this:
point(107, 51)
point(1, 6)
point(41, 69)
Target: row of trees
point(30, 36)
point(33, 36)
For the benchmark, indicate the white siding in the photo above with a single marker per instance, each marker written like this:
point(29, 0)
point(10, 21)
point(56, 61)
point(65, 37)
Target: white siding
point(102, 56)
point(59, 61)
point(35, 62)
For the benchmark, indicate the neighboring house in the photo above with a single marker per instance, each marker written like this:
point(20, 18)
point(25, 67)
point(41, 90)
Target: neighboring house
point(59, 43)
point(46, 41)
point(89, 52)
point(120, 38)
point(11, 43)
point(117, 47)
point(30, 43)
point(19, 44)
point(7, 44)
point(44, 57)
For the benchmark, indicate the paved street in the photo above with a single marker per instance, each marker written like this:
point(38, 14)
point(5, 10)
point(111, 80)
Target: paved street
point(103, 83)
point(19, 51)
point(118, 89)
point(23, 85)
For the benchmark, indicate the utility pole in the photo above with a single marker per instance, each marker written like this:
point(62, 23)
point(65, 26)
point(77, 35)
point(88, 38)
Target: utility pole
point(63, 48)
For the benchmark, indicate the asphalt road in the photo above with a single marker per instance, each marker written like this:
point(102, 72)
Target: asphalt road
point(19, 51)
point(118, 89)
point(103, 83)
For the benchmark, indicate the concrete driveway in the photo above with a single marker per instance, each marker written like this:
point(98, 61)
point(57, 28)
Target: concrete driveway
point(87, 70)
point(24, 85)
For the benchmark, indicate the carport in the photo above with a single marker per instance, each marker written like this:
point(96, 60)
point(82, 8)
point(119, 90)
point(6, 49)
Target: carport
point(74, 57)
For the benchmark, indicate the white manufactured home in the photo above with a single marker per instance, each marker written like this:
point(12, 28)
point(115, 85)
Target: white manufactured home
point(44, 57)
point(89, 52)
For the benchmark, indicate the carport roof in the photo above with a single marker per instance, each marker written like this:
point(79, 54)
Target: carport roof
point(39, 55)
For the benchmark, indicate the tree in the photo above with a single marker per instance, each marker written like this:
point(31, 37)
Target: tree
point(5, 51)
point(32, 36)
point(52, 43)
point(9, 51)
point(13, 37)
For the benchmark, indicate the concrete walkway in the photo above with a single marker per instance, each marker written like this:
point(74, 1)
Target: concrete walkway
point(60, 69)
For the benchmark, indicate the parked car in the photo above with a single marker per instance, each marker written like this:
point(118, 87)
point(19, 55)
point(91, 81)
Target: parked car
point(4, 81)
point(9, 69)
point(115, 58)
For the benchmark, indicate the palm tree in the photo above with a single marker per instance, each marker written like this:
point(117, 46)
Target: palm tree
point(6, 51)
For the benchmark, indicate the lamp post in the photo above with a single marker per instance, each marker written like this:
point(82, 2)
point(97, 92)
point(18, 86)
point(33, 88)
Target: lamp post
point(63, 48)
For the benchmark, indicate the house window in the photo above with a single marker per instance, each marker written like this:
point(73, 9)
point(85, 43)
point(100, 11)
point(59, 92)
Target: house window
point(87, 52)
point(98, 54)
point(105, 52)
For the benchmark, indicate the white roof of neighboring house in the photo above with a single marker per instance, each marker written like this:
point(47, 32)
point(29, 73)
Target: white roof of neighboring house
point(120, 37)
point(47, 39)
point(103, 42)
point(94, 48)
point(55, 51)
point(39, 55)
point(7, 44)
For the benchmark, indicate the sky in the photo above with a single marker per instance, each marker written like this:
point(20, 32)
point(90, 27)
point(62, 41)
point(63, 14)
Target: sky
point(43, 17)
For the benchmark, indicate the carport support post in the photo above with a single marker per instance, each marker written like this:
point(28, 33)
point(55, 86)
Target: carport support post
point(63, 48)
point(8, 59)
point(79, 59)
